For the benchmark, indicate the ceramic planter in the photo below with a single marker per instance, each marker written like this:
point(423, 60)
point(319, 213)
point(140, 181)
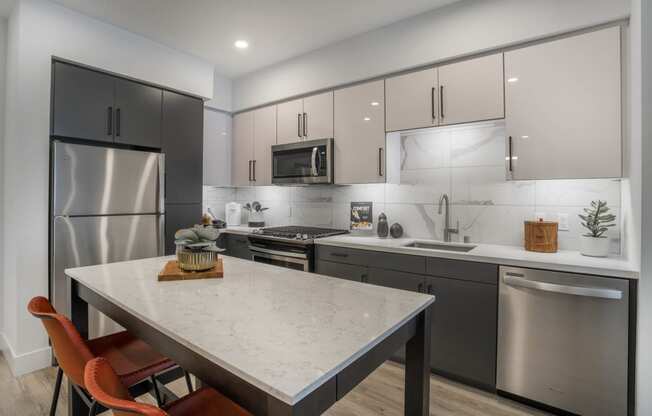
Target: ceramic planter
point(594, 246)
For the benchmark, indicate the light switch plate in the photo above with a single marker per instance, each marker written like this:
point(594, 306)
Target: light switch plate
point(563, 222)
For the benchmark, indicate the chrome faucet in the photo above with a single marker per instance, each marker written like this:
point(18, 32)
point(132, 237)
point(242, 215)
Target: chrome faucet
point(443, 201)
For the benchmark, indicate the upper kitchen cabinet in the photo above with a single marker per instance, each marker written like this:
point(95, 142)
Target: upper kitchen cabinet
point(264, 138)
point(563, 108)
point(360, 134)
point(305, 119)
point(217, 148)
point(137, 114)
point(412, 100)
point(243, 149)
point(289, 121)
point(82, 103)
point(182, 142)
point(318, 116)
point(471, 90)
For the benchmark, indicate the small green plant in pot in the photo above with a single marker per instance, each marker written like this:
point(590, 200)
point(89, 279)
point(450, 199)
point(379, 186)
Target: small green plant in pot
point(597, 220)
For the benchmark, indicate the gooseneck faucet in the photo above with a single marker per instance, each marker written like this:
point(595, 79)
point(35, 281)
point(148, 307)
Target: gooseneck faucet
point(443, 202)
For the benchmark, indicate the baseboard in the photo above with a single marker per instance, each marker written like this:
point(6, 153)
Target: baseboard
point(25, 363)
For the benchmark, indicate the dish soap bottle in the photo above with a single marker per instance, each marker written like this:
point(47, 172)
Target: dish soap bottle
point(383, 226)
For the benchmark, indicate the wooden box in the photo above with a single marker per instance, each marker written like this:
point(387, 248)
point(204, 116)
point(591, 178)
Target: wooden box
point(541, 236)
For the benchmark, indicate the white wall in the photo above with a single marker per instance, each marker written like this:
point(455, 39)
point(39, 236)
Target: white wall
point(3, 61)
point(222, 91)
point(38, 31)
point(459, 29)
point(642, 117)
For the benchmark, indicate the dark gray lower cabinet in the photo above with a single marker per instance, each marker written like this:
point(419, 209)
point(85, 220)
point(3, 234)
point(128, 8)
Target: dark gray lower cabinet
point(179, 216)
point(464, 321)
point(464, 330)
point(237, 245)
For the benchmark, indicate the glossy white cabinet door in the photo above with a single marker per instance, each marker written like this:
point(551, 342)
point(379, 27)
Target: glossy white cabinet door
point(360, 134)
point(243, 148)
point(319, 116)
point(563, 108)
point(217, 148)
point(471, 90)
point(264, 138)
point(289, 125)
point(412, 101)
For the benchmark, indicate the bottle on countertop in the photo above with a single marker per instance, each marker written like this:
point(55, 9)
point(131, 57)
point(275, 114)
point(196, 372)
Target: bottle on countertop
point(383, 226)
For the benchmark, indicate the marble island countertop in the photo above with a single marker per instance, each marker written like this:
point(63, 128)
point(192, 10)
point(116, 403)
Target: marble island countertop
point(563, 260)
point(283, 331)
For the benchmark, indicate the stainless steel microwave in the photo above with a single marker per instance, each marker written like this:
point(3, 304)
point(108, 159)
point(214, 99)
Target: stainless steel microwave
point(307, 162)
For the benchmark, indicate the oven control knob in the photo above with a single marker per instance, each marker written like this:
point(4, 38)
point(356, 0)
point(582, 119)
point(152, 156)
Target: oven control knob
point(305, 236)
point(298, 236)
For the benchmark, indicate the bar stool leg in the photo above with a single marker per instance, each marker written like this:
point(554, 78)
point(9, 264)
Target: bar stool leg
point(93, 410)
point(188, 381)
point(57, 391)
point(157, 393)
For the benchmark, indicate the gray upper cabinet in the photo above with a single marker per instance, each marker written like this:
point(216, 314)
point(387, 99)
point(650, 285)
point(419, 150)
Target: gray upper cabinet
point(289, 121)
point(264, 138)
point(563, 108)
point(412, 101)
point(217, 148)
point(243, 149)
point(360, 134)
point(137, 114)
point(471, 90)
point(318, 116)
point(82, 104)
point(183, 143)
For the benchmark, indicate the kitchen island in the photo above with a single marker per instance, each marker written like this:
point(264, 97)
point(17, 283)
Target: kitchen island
point(277, 341)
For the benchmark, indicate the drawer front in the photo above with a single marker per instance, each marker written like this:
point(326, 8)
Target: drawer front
point(341, 270)
point(462, 270)
point(343, 255)
point(399, 262)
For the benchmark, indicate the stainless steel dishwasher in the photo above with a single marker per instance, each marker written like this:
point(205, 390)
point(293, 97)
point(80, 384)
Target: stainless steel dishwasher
point(563, 340)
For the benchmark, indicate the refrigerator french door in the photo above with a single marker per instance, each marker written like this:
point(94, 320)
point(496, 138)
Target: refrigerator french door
point(107, 206)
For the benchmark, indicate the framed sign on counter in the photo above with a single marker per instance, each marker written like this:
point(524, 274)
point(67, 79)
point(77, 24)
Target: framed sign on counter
point(362, 216)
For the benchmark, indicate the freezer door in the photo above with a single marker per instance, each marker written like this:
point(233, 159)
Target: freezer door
point(91, 180)
point(85, 241)
point(563, 340)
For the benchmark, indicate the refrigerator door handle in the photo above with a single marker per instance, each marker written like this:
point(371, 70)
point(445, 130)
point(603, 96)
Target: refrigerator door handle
point(161, 183)
point(161, 235)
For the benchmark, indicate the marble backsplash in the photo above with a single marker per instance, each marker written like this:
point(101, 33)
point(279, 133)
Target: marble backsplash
point(467, 163)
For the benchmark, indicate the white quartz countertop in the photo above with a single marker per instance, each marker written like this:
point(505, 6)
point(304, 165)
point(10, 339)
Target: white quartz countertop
point(283, 331)
point(563, 260)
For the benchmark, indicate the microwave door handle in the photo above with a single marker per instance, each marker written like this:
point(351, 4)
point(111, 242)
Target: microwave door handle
point(593, 292)
point(313, 161)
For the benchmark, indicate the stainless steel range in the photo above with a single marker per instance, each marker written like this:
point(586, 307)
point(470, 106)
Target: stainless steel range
point(291, 246)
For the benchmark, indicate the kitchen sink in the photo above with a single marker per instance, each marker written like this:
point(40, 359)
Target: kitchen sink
point(435, 245)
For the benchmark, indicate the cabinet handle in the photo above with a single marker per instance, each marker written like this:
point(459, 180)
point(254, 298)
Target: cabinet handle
point(363, 278)
point(441, 101)
point(299, 124)
point(430, 289)
point(380, 161)
point(339, 255)
point(249, 168)
point(509, 156)
point(305, 125)
point(253, 162)
point(117, 122)
point(432, 104)
point(420, 287)
point(109, 118)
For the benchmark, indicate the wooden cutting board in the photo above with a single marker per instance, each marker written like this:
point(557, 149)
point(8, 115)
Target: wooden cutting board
point(171, 272)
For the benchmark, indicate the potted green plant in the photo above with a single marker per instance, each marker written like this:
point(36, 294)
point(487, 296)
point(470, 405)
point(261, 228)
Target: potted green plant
point(597, 220)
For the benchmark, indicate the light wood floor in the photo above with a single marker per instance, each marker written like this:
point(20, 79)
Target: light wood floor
point(380, 394)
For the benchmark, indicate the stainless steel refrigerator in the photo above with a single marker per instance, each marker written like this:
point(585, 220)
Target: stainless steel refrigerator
point(107, 205)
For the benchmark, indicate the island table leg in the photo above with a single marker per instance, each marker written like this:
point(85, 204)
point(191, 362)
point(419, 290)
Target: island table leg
point(78, 313)
point(417, 368)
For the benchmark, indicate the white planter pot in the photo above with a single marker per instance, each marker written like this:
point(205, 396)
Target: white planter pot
point(594, 247)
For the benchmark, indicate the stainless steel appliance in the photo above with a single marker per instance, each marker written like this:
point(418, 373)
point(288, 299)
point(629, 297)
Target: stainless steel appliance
point(107, 205)
point(563, 340)
point(291, 246)
point(307, 162)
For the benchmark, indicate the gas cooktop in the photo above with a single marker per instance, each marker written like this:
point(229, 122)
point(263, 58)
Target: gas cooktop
point(295, 232)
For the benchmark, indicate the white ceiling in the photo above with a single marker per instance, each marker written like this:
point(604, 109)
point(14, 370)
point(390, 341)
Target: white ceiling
point(276, 29)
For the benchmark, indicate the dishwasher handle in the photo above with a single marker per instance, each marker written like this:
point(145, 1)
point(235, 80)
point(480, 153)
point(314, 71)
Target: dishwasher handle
point(517, 279)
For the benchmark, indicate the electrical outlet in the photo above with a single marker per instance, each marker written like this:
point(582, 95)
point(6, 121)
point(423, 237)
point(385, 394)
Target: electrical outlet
point(563, 222)
point(539, 216)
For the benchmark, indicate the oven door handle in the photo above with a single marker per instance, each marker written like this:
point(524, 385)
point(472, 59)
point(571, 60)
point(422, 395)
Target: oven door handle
point(278, 253)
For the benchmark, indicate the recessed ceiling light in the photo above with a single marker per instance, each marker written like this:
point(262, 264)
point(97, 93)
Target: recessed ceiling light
point(375, 103)
point(223, 133)
point(241, 44)
point(525, 137)
point(513, 79)
point(367, 119)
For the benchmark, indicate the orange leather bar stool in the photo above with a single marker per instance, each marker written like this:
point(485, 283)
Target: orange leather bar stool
point(133, 360)
point(105, 385)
